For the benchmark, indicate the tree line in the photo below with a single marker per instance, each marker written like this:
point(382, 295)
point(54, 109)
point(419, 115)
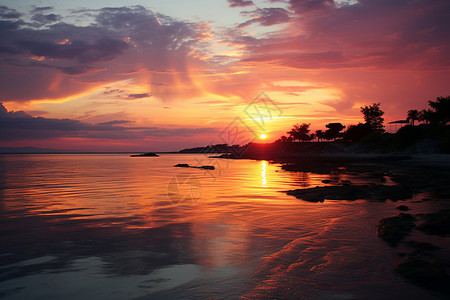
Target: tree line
point(438, 114)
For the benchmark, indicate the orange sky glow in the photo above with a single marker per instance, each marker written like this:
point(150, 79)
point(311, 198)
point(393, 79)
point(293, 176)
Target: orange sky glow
point(133, 78)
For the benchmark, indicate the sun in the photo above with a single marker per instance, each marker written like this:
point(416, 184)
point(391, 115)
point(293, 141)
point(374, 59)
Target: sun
point(263, 136)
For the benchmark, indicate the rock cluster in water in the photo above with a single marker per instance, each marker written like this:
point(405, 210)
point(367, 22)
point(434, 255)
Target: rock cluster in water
point(188, 166)
point(151, 154)
point(347, 191)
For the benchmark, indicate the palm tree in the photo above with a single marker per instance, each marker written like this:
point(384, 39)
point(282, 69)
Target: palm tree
point(413, 115)
point(427, 116)
point(320, 134)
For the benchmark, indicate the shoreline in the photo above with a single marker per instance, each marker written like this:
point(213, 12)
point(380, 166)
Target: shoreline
point(423, 263)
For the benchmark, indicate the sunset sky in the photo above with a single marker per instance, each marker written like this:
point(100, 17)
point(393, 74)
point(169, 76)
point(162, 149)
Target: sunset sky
point(162, 75)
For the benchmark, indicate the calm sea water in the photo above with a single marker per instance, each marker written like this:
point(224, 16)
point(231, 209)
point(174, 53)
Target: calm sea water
point(116, 227)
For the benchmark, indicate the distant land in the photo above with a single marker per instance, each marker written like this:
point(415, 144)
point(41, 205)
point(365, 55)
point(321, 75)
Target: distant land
point(31, 150)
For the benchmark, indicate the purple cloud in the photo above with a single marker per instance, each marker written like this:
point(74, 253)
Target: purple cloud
point(118, 41)
point(19, 125)
point(267, 16)
point(240, 3)
point(139, 96)
point(412, 35)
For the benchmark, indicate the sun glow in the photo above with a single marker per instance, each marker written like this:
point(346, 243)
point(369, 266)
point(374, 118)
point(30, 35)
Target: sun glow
point(263, 136)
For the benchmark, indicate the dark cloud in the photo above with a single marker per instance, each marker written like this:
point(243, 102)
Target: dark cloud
point(114, 122)
point(240, 3)
point(46, 19)
point(139, 96)
point(22, 126)
point(267, 16)
point(40, 9)
point(305, 6)
point(114, 91)
point(8, 13)
point(84, 52)
point(116, 41)
point(384, 34)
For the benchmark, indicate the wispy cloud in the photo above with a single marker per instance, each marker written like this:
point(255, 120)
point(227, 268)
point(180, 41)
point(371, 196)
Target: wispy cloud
point(50, 51)
point(139, 96)
point(22, 126)
point(240, 3)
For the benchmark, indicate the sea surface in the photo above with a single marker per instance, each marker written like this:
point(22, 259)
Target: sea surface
point(111, 226)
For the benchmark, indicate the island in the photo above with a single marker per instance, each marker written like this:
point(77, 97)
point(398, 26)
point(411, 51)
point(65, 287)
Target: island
point(149, 154)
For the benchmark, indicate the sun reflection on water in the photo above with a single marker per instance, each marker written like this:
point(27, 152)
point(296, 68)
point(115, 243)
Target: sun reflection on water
point(263, 173)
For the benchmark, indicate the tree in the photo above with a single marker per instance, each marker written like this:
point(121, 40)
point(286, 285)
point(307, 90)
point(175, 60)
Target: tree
point(441, 108)
point(284, 139)
point(413, 115)
point(334, 131)
point(428, 116)
point(300, 132)
point(373, 117)
point(320, 134)
point(356, 133)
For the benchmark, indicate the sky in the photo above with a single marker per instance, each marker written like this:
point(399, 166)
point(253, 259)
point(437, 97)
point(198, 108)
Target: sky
point(163, 75)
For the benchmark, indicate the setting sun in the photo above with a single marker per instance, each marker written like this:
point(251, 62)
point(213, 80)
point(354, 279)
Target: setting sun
point(263, 136)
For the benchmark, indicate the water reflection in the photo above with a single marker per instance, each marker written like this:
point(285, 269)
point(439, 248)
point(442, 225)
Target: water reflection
point(263, 173)
point(105, 225)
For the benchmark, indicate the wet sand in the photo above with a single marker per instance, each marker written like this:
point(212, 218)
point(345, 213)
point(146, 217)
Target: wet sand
point(394, 177)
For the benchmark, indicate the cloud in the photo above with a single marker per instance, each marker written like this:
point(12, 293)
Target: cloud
point(240, 3)
point(114, 122)
point(114, 91)
point(266, 16)
point(8, 13)
point(46, 19)
point(19, 125)
point(40, 9)
point(80, 51)
point(58, 58)
point(139, 96)
point(326, 35)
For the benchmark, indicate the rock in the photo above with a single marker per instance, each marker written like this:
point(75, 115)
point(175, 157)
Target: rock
point(188, 166)
point(436, 223)
point(352, 192)
point(420, 269)
point(151, 154)
point(182, 166)
point(310, 195)
point(208, 167)
point(402, 208)
point(394, 229)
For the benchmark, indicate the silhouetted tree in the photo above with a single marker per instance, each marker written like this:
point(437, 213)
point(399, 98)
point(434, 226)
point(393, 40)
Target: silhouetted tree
point(413, 115)
point(320, 134)
point(373, 116)
point(427, 116)
point(300, 132)
point(334, 131)
point(441, 109)
point(356, 133)
point(284, 139)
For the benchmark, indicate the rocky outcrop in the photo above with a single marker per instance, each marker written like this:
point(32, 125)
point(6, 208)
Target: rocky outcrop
point(352, 192)
point(188, 166)
point(394, 229)
point(149, 154)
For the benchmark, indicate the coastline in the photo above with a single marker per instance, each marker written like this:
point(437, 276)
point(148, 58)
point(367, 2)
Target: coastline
point(422, 263)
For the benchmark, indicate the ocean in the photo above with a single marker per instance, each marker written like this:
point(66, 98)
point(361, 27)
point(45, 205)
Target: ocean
point(111, 226)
